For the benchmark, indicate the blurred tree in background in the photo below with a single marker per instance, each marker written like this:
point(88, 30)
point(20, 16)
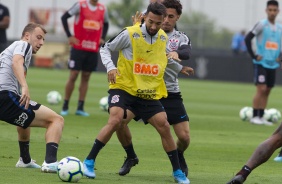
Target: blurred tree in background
point(203, 31)
point(120, 12)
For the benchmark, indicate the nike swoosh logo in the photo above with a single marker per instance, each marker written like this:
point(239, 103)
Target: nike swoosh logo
point(183, 116)
point(55, 146)
point(148, 51)
point(246, 169)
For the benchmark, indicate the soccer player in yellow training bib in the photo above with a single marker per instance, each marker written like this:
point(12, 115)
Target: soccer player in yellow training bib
point(137, 83)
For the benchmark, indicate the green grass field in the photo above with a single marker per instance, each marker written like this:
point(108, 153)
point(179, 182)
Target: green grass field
point(220, 142)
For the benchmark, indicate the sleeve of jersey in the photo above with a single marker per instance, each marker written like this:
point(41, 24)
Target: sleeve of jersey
point(22, 48)
point(184, 51)
point(117, 43)
point(248, 42)
point(75, 9)
point(106, 16)
point(175, 65)
point(257, 28)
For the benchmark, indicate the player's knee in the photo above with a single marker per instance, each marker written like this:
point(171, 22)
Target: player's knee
point(61, 121)
point(163, 127)
point(164, 124)
point(73, 77)
point(123, 125)
point(58, 120)
point(85, 76)
point(184, 138)
point(115, 122)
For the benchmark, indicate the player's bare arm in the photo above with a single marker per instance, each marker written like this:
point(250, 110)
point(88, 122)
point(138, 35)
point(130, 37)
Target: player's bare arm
point(102, 41)
point(73, 40)
point(173, 55)
point(112, 76)
point(186, 70)
point(18, 69)
point(259, 58)
point(137, 18)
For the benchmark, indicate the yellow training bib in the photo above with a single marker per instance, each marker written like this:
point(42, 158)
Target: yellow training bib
point(143, 76)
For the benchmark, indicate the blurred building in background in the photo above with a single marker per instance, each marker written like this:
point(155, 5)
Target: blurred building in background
point(229, 14)
point(210, 25)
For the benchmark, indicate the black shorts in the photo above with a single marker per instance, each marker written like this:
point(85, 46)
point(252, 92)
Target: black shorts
point(83, 60)
point(264, 75)
point(174, 108)
point(142, 108)
point(11, 111)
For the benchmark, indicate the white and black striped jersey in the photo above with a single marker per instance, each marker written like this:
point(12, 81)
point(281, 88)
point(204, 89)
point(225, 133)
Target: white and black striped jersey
point(8, 80)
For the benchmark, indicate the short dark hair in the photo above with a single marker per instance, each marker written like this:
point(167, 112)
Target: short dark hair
point(174, 4)
point(30, 28)
point(156, 8)
point(272, 2)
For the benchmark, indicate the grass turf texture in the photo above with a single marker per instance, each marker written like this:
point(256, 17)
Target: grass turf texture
point(220, 142)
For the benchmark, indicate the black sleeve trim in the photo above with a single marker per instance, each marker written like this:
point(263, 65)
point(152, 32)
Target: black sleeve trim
point(27, 49)
point(116, 35)
point(64, 19)
point(257, 24)
point(184, 52)
point(110, 40)
point(105, 30)
point(248, 41)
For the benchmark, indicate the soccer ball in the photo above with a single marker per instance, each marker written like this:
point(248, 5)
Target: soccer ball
point(272, 115)
point(246, 113)
point(104, 103)
point(54, 97)
point(70, 169)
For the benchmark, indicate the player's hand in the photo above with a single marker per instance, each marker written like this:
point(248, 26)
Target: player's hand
point(112, 76)
point(187, 70)
point(25, 97)
point(102, 41)
point(173, 55)
point(73, 40)
point(278, 60)
point(137, 18)
point(258, 58)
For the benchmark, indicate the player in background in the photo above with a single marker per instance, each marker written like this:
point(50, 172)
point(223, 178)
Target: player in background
point(178, 48)
point(4, 25)
point(139, 48)
point(90, 30)
point(262, 153)
point(266, 60)
point(17, 108)
point(268, 34)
